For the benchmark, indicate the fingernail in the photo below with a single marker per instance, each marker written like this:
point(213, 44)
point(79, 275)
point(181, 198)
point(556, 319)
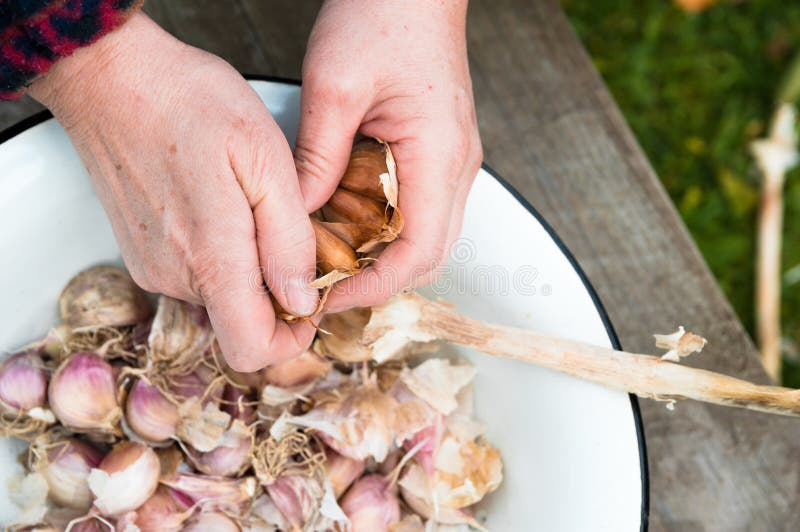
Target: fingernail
point(302, 299)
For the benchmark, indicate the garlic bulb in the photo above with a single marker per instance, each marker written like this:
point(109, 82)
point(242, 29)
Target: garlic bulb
point(165, 511)
point(149, 414)
point(125, 479)
point(103, 296)
point(371, 504)
point(341, 471)
point(23, 383)
point(212, 521)
point(66, 465)
point(83, 394)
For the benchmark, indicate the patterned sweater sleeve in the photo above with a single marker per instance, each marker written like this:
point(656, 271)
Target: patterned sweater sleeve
point(34, 34)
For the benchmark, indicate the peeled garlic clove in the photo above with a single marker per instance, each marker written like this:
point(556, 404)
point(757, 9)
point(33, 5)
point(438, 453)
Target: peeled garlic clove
point(367, 163)
point(231, 458)
point(165, 511)
point(217, 522)
point(125, 479)
point(103, 296)
point(82, 394)
point(211, 494)
point(149, 414)
point(371, 504)
point(297, 497)
point(349, 207)
point(66, 465)
point(303, 369)
point(23, 383)
point(341, 471)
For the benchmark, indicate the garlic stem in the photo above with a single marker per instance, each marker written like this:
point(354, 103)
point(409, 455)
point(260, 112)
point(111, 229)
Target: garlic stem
point(644, 375)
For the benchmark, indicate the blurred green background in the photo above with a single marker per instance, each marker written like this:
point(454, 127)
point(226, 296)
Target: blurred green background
point(696, 88)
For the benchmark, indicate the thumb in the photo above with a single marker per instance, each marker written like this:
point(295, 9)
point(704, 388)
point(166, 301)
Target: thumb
point(324, 139)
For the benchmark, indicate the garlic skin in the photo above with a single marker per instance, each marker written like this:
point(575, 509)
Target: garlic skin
point(371, 504)
point(165, 511)
point(149, 414)
point(66, 469)
point(82, 394)
point(23, 383)
point(213, 494)
point(303, 369)
point(297, 497)
point(341, 471)
point(103, 296)
point(231, 458)
point(125, 479)
point(679, 344)
point(207, 522)
point(181, 333)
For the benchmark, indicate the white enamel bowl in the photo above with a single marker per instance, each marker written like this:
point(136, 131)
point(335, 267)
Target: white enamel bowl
point(573, 451)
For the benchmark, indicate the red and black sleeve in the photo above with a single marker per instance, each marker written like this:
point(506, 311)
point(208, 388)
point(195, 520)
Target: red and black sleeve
point(34, 34)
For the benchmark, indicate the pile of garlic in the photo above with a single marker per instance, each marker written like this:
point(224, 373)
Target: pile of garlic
point(136, 423)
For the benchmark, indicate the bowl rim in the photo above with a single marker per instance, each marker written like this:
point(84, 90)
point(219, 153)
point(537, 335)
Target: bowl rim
point(42, 116)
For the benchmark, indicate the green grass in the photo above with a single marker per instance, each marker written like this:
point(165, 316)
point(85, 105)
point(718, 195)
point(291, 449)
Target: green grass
point(696, 89)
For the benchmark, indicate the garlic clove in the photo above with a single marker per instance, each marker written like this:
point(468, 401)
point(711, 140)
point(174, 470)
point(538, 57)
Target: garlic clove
point(211, 521)
point(23, 383)
point(181, 333)
point(82, 394)
point(341, 471)
point(303, 369)
point(333, 253)
point(150, 415)
point(371, 504)
point(125, 479)
point(215, 494)
point(345, 206)
point(103, 296)
point(66, 465)
point(297, 497)
point(165, 511)
point(367, 163)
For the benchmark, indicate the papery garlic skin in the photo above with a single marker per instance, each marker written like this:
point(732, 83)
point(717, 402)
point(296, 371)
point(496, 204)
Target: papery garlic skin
point(66, 469)
point(153, 417)
point(82, 394)
point(125, 479)
point(214, 494)
point(211, 522)
point(297, 497)
point(181, 332)
point(165, 511)
point(103, 296)
point(231, 458)
point(23, 383)
point(371, 504)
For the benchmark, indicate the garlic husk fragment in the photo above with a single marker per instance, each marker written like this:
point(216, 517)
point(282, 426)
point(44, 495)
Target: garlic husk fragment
point(341, 471)
point(202, 427)
point(82, 395)
point(215, 494)
point(371, 504)
point(125, 479)
point(297, 497)
point(180, 335)
point(231, 457)
point(165, 511)
point(29, 494)
point(410, 523)
point(211, 521)
point(679, 344)
point(103, 296)
point(264, 516)
point(303, 369)
point(65, 464)
point(150, 415)
point(437, 382)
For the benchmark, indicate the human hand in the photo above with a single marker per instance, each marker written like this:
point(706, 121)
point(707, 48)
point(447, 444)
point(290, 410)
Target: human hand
point(198, 181)
point(398, 71)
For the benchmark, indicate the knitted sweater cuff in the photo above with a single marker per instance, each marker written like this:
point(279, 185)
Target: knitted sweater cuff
point(34, 34)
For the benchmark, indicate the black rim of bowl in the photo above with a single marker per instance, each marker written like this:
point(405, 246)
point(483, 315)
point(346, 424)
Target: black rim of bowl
point(42, 116)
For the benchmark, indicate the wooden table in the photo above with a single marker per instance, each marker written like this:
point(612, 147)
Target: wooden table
point(550, 127)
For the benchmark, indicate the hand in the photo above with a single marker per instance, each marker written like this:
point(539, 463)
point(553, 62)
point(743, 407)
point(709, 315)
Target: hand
point(198, 181)
point(396, 70)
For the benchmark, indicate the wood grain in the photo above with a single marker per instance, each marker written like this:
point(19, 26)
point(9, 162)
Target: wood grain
point(550, 127)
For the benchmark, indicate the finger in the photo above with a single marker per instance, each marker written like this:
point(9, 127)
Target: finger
point(427, 187)
point(263, 164)
point(328, 124)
